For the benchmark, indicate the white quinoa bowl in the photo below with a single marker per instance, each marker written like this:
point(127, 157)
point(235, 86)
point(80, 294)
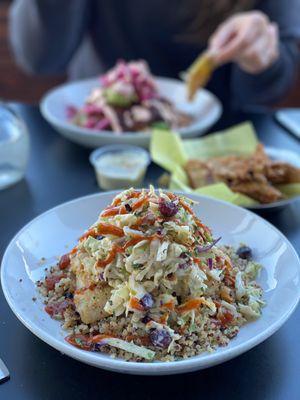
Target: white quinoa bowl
point(21, 268)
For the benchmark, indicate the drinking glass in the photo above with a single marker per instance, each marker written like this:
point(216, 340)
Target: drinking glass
point(14, 147)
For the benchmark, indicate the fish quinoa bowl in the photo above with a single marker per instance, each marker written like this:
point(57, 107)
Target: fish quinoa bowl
point(148, 282)
point(127, 99)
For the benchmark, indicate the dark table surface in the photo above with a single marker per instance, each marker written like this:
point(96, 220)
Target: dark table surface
point(59, 171)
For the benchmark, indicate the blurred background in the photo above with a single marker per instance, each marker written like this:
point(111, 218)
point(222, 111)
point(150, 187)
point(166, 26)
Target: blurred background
point(16, 85)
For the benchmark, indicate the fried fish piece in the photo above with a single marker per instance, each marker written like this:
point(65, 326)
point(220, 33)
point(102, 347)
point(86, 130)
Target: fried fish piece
point(278, 172)
point(90, 302)
point(199, 73)
point(235, 169)
point(199, 173)
point(263, 192)
point(252, 176)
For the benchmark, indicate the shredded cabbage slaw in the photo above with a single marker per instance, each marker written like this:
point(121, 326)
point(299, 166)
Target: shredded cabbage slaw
point(162, 269)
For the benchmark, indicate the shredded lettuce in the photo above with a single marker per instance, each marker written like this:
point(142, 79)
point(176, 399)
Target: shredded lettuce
point(240, 289)
point(252, 270)
point(139, 351)
point(249, 312)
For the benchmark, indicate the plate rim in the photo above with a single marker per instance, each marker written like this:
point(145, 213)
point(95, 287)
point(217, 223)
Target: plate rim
point(173, 367)
point(79, 131)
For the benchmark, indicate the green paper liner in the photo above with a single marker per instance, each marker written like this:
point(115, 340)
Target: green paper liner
point(172, 153)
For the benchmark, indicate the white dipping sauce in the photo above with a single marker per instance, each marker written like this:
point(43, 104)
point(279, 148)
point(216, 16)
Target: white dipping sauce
point(120, 169)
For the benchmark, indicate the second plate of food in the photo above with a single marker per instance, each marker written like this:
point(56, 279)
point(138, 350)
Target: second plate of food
point(231, 165)
point(151, 288)
point(124, 105)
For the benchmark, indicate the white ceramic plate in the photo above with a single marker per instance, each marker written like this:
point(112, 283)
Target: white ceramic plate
point(286, 156)
point(47, 236)
point(206, 109)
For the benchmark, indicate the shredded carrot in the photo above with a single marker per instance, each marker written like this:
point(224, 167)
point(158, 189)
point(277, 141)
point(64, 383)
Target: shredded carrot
point(134, 194)
point(190, 211)
point(116, 249)
point(111, 256)
point(116, 202)
point(138, 239)
point(86, 342)
point(189, 305)
point(91, 232)
point(228, 265)
point(111, 211)
point(135, 304)
point(136, 226)
point(229, 280)
point(169, 305)
point(134, 241)
point(108, 229)
point(182, 329)
point(197, 261)
point(139, 203)
point(98, 338)
point(171, 196)
point(74, 250)
point(164, 318)
point(82, 290)
point(217, 303)
point(225, 294)
point(123, 210)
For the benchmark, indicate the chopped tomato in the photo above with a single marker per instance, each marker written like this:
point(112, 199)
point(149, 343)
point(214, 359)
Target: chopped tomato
point(224, 316)
point(217, 303)
point(80, 341)
point(51, 280)
point(145, 340)
point(64, 261)
point(58, 308)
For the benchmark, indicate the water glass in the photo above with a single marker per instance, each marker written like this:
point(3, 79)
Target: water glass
point(14, 147)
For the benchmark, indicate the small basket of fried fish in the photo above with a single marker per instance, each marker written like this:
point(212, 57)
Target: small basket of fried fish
point(256, 176)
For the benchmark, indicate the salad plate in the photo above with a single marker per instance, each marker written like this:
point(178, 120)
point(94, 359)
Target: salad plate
point(33, 249)
point(205, 110)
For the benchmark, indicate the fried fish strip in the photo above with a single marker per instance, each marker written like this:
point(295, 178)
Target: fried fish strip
point(199, 74)
point(253, 176)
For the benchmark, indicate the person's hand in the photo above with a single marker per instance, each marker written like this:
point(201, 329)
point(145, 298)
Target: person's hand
point(249, 39)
